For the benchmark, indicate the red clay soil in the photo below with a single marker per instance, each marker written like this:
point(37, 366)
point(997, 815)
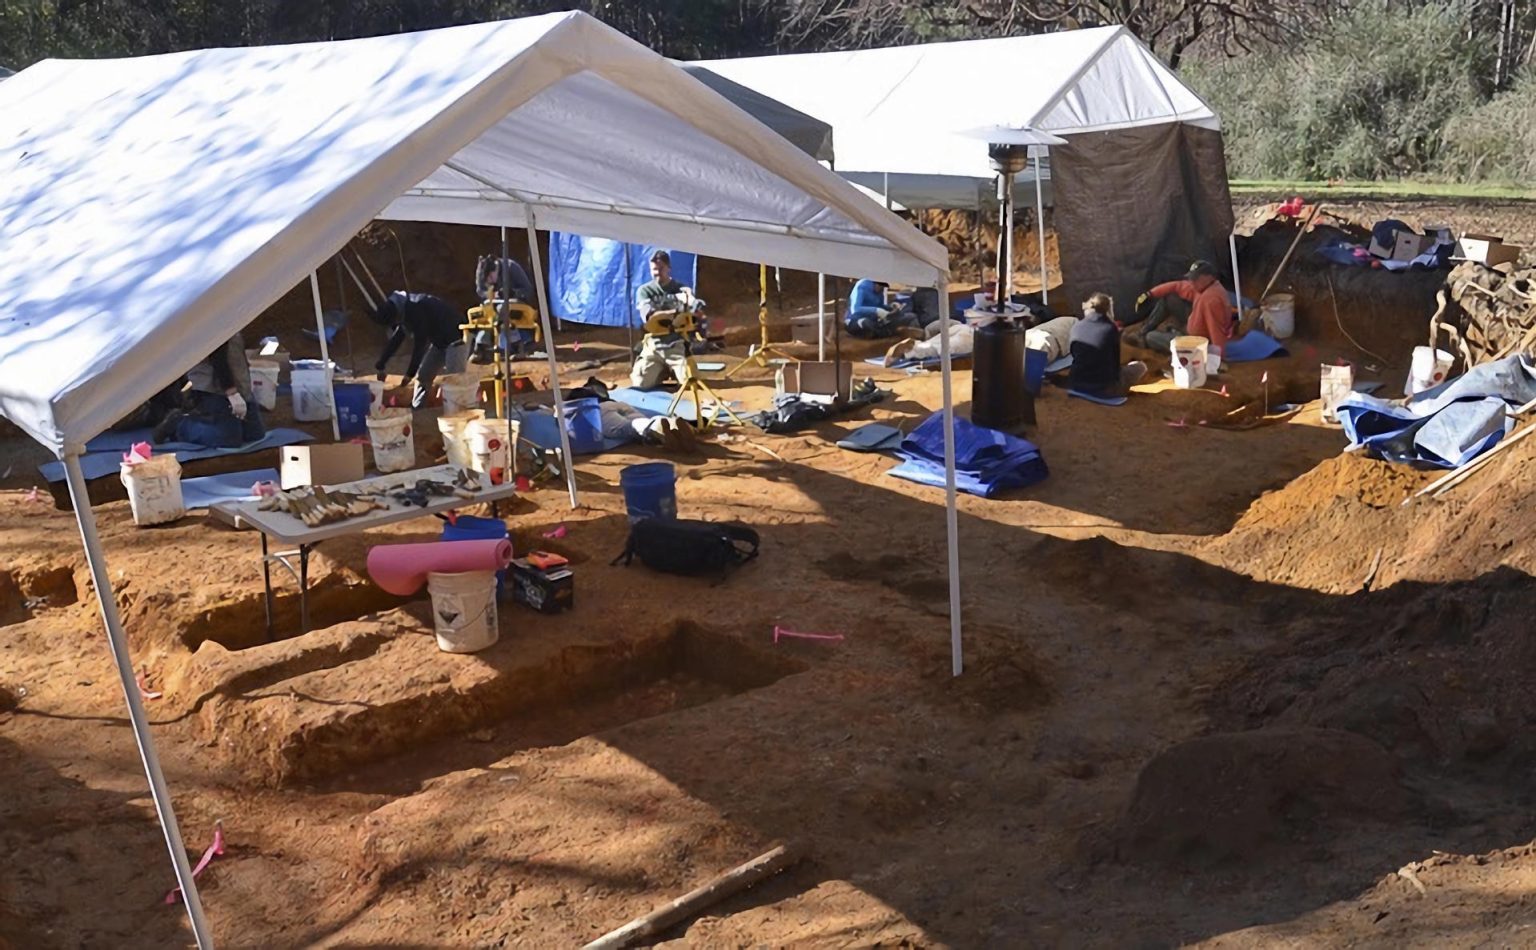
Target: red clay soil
point(1182, 717)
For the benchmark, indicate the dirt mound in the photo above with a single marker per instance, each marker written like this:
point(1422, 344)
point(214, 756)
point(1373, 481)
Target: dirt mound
point(1242, 796)
point(1438, 674)
point(956, 230)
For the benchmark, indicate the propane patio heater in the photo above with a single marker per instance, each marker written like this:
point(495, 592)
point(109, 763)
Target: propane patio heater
point(999, 399)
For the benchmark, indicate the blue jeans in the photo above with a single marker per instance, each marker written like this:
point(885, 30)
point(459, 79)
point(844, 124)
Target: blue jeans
point(209, 421)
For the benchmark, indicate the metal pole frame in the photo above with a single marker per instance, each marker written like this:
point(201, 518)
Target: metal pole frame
point(821, 318)
point(567, 459)
point(951, 511)
point(96, 559)
point(1045, 297)
point(325, 354)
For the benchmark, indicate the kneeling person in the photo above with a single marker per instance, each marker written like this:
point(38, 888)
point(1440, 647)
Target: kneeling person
point(1095, 345)
point(220, 410)
point(670, 312)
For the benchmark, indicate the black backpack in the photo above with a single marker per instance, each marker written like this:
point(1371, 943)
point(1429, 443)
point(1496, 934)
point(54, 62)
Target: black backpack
point(689, 547)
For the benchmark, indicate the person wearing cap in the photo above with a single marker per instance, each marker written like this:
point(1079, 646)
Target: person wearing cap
point(663, 303)
point(1210, 312)
point(870, 318)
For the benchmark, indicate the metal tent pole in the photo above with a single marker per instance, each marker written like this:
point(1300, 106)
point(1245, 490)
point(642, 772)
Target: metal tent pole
point(504, 347)
point(325, 354)
point(567, 459)
point(629, 299)
point(821, 318)
point(1045, 297)
point(96, 559)
point(1237, 281)
point(951, 512)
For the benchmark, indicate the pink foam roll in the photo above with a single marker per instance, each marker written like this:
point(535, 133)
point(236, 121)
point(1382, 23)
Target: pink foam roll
point(403, 568)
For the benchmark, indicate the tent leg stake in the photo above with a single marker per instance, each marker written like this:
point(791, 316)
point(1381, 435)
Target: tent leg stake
point(95, 558)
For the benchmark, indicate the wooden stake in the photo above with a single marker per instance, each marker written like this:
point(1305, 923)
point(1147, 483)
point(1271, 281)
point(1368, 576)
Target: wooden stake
point(737, 879)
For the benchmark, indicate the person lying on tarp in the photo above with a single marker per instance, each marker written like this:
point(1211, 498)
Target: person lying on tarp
point(1210, 312)
point(674, 323)
point(218, 407)
point(1095, 348)
point(869, 317)
point(436, 341)
point(488, 286)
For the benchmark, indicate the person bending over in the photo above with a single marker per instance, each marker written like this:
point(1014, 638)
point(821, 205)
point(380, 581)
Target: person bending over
point(436, 340)
point(868, 316)
point(1095, 346)
point(220, 410)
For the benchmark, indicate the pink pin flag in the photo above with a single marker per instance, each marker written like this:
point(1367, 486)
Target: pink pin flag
point(779, 632)
point(555, 533)
point(216, 848)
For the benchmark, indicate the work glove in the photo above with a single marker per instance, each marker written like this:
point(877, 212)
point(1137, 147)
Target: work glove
point(883, 313)
point(237, 405)
point(1144, 305)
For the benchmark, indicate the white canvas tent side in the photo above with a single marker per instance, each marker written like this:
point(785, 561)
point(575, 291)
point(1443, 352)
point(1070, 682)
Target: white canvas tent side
point(1140, 184)
point(156, 206)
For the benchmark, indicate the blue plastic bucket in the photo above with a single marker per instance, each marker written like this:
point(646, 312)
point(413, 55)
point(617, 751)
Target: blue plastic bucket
point(584, 423)
point(650, 490)
point(1034, 370)
point(352, 403)
point(470, 528)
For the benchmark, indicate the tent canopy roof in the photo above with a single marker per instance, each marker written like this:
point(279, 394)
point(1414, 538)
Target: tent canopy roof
point(913, 109)
point(152, 207)
point(807, 133)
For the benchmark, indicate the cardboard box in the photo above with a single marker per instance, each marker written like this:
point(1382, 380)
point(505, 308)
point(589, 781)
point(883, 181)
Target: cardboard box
point(548, 592)
point(1486, 249)
point(1405, 246)
point(816, 379)
point(321, 464)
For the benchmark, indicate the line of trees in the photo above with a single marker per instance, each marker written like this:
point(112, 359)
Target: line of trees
point(1306, 88)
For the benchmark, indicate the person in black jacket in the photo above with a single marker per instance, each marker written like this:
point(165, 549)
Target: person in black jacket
point(1095, 347)
point(436, 340)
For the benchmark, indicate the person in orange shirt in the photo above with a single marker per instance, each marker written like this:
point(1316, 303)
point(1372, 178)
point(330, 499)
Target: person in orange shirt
point(1210, 313)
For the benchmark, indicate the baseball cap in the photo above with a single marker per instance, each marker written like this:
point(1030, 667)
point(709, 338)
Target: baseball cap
point(1200, 267)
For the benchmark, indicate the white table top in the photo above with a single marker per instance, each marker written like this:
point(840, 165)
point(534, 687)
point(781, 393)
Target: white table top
point(288, 529)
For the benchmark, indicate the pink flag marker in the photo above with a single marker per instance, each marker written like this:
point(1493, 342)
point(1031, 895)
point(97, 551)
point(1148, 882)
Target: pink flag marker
point(781, 632)
point(216, 848)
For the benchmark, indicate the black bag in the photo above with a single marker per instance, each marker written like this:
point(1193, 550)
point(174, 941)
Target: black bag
point(689, 547)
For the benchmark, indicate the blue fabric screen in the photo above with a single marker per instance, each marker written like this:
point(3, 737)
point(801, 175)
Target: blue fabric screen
point(593, 280)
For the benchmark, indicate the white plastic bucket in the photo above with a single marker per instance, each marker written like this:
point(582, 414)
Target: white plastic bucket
point(394, 443)
point(1429, 369)
point(461, 392)
point(1213, 361)
point(311, 395)
point(1336, 385)
point(1280, 315)
point(154, 489)
point(452, 427)
point(264, 376)
point(1189, 361)
point(489, 449)
point(464, 610)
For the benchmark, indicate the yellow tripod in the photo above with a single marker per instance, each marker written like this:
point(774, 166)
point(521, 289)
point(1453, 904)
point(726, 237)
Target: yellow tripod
point(695, 387)
point(765, 351)
point(487, 316)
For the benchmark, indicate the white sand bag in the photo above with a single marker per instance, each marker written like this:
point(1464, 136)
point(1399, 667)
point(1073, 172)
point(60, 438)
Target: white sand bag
point(1337, 383)
point(154, 489)
point(393, 438)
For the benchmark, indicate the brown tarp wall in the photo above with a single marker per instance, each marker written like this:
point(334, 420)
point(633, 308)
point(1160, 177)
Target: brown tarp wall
point(1135, 206)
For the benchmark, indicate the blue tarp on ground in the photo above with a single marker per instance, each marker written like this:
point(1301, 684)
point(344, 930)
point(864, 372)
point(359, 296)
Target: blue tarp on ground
point(231, 486)
point(1447, 426)
point(987, 462)
point(590, 282)
point(105, 452)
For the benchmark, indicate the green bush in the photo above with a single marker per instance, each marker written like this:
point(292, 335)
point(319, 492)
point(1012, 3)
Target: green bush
point(1496, 141)
point(1370, 95)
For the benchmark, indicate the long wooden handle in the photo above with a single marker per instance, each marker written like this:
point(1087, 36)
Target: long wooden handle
point(1287, 258)
point(737, 879)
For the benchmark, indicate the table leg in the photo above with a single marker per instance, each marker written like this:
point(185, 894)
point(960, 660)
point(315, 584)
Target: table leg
point(303, 588)
point(266, 577)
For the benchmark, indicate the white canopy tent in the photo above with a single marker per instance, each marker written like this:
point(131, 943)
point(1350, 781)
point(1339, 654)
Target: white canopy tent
point(900, 114)
point(155, 206)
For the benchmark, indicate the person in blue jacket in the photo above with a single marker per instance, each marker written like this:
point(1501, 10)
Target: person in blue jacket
point(870, 318)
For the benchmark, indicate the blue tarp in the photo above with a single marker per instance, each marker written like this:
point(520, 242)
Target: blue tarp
point(104, 453)
point(1447, 426)
point(987, 462)
point(231, 486)
point(589, 281)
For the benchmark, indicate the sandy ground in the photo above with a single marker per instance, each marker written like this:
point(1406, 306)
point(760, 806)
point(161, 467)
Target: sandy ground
point(1185, 715)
